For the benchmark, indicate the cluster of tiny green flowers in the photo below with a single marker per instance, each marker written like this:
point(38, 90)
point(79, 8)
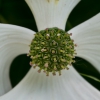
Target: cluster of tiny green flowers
point(52, 50)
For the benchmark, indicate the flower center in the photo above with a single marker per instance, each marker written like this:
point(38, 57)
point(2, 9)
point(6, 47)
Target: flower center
point(52, 50)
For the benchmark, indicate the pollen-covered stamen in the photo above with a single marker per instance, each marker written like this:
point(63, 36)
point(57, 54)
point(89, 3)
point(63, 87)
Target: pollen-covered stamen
point(43, 50)
point(52, 50)
point(46, 64)
point(47, 73)
point(34, 66)
point(54, 73)
point(55, 67)
point(30, 63)
point(55, 59)
point(75, 45)
point(59, 73)
point(39, 70)
point(70, 34)
point(27, 55)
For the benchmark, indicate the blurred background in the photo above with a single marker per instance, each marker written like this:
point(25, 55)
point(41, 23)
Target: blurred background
point(17, 12)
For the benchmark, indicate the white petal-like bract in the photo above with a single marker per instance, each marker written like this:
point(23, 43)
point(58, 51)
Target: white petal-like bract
point(69, 86)
point(87, 38)
point(51, 13)
point(14, 40)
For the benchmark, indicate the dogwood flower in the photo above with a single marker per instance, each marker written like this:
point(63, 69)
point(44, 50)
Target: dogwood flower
point(15, 40)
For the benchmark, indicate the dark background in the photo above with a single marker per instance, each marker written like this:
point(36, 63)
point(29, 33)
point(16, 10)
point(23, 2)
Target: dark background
point(17, 12)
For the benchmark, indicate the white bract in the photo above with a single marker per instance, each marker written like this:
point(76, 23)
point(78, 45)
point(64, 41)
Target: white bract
point(14, 40)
